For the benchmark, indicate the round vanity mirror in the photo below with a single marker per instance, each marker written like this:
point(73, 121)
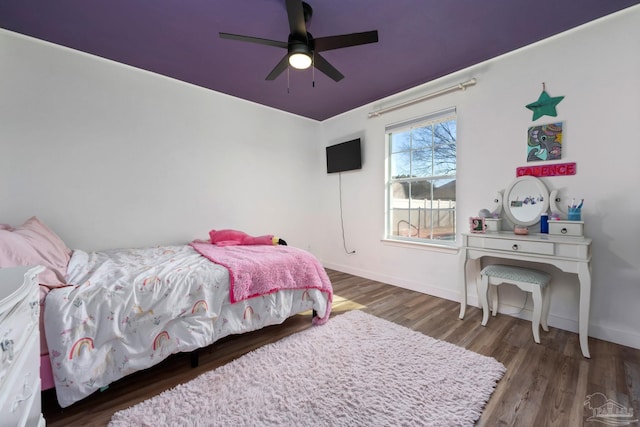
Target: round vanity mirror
point(524, 200)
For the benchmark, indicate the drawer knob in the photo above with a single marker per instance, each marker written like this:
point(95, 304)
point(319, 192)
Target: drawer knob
point(514, 247)
point(564, 231)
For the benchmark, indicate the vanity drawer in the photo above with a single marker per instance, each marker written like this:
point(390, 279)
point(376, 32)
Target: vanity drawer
point(524, 246)
point(566, 228)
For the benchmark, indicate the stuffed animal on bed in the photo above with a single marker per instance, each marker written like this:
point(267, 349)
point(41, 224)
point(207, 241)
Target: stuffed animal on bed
point(235, 237)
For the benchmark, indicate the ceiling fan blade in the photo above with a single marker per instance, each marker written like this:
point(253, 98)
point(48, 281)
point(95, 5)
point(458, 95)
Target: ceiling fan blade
point(345, 40)
point(295, 13)
point(250, 39)
point(279, 68)
point(323, 66)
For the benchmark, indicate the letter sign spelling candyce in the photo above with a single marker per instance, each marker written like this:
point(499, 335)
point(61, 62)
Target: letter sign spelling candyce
point(547, 170)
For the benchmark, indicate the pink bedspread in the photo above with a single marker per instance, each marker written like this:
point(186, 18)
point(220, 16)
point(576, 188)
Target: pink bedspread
point(260, 270)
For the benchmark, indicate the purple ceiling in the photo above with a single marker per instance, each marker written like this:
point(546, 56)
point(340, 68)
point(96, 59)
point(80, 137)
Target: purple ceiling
point(420, 40)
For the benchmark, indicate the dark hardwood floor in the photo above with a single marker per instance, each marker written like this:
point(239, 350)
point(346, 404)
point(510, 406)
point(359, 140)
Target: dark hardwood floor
point(545, 385)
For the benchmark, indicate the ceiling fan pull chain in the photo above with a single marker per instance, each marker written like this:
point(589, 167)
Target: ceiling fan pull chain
point(313, 70)
point(288, 91)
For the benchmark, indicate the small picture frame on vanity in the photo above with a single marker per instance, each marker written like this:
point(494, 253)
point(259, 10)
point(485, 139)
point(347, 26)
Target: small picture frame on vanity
point(477, 224)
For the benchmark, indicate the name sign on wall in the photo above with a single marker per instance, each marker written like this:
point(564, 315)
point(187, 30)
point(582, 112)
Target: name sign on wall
point(547, 170)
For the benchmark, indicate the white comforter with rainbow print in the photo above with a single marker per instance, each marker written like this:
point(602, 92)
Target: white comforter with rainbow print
point(130, 309)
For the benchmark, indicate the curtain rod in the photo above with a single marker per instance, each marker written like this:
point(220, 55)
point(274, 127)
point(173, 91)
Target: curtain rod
point(459, 86)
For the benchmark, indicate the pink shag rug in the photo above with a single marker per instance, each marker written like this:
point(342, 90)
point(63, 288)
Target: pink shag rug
point(356, 370)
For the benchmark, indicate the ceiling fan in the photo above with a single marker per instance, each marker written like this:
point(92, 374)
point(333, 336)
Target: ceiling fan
point(302, 49)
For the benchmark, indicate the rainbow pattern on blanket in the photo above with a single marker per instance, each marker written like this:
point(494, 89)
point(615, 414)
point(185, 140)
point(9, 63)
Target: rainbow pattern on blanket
point(160, 339)
point(200, 306)
point(78, 347)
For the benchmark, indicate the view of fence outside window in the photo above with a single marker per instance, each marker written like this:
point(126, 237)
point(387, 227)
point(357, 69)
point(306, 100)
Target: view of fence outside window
point(421, 181)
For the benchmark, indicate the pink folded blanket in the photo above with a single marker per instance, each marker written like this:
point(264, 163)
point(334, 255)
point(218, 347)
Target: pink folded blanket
point(261, 270)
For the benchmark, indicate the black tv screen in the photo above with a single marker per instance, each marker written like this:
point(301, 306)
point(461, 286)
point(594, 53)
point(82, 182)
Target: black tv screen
point(344, 157)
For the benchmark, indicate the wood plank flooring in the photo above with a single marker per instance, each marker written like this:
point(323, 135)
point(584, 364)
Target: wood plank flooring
point(545, 384)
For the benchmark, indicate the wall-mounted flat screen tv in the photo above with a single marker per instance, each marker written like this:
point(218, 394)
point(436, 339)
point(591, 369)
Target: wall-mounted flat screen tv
point(344, 157)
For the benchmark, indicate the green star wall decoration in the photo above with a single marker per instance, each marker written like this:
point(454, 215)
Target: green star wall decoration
point(545, 105)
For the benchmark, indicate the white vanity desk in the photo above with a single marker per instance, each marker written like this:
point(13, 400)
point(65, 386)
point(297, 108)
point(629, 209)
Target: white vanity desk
point(569, 254)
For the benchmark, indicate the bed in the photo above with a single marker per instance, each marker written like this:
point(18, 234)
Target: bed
point(111, 313)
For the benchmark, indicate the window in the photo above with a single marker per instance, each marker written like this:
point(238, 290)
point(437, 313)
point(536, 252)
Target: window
point(421, 179)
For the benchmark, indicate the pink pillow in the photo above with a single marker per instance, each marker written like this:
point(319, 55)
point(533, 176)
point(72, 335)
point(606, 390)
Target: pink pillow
point(33, 243)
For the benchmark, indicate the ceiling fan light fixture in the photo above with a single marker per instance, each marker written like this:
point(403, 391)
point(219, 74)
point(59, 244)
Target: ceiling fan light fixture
point(300, 61)
point(303, 51)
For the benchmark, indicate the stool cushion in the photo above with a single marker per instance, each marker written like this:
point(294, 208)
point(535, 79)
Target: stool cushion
point(519, 274)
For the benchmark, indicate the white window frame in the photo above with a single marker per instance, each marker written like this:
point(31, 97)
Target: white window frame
point(422, 121)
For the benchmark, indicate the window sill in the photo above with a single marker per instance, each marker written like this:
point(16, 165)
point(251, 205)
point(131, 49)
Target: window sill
point(422, 246)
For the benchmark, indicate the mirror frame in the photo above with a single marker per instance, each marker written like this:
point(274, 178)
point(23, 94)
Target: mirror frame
point(506, 204)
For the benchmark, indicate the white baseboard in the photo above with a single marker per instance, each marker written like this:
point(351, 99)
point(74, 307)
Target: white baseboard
point(617, 336)
point(396, 281)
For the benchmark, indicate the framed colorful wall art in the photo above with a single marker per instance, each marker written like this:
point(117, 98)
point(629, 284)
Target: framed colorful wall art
point(544, 142)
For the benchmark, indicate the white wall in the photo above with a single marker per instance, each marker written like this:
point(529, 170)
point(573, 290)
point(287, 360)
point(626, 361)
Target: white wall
point(597, 69)
point(112, 156)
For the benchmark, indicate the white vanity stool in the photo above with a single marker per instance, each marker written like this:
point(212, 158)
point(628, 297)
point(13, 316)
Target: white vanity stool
point(528, 280)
